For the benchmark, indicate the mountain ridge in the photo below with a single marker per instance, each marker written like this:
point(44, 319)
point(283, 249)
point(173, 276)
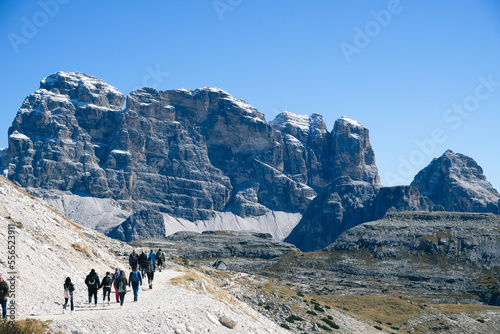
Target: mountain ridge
point(203, 159)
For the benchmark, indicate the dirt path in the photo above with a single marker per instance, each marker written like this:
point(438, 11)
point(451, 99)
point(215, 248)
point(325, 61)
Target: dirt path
point(164, 309)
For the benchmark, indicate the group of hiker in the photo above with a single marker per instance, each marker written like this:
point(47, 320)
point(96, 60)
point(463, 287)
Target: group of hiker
point(147, 265)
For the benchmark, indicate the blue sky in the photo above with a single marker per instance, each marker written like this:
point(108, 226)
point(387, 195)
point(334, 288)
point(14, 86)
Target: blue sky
point(423, 76)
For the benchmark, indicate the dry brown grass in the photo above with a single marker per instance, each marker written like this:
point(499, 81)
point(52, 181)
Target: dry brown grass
point(470, 309)
point(28, 325)
point(383, 309)
point(81, 249)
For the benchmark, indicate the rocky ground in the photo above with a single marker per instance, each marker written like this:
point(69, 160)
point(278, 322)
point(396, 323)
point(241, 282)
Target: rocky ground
point(191, 305)
point(409, 272)
point(50, 247)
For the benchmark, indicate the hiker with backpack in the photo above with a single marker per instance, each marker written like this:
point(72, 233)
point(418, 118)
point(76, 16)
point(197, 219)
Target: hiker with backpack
point(4, 293)
point(121, 283)
point(150, 271)
point(68, 294)
point(152, 255)
point(133, 259)
point(92, 281)
point(143, 259)
point(115, 277)
point(106, 284)
point(160, 258)
point(135, 278)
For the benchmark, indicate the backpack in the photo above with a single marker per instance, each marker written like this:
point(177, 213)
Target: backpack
point(106, 282)
point(135, 276)
point(151, 267)
point(120, 288)
point(159, 255)
point(133, 258)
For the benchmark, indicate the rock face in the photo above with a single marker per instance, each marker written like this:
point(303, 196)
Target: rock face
point(188, 154)
point(183, 160)
point(347, 203)
point(455, 182)
point(219, 244)
point(457, 252)
point(352, 154)
point(452, 182)
point(140, 225)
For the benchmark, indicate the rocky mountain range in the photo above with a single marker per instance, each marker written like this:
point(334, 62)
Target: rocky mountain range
point(157, 162)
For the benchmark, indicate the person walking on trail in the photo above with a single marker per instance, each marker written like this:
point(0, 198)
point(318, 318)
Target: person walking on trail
point(4, 293)
point(121, 282)
point(115, 277)
point(92, 281)
point(143, 259)
point(133, 259)
point(135, 278)
point(68, 294)
point(152, 255)
point(106, 284)
point(160, 258)
point(150, 271)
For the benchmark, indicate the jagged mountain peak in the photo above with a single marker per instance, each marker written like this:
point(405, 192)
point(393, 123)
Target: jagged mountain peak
point(292, 123)
point(84, 88)
point(455, 182)
point(346, 121)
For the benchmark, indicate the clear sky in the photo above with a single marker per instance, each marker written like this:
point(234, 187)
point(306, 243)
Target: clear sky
point(423, 76)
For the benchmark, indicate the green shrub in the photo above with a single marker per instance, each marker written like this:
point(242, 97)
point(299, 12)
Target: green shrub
point(185, 261)
point(481, 320)
point(267, 307)
point(318, 308)
point(330, 323)
point(326, 328)
point(293, 318)
point(300, 293)
point(378, 327)
point(311, 312)
point(285, 326)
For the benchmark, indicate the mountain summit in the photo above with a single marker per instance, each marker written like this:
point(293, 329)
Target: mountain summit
point(455, 182)
point(157, 162)
point(201, 159)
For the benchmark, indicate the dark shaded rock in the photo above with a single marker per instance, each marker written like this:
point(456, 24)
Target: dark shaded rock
point(140, 225)
point(399, 198)
point(342, 205)
point(4, 161)
point(455, 182)
point(347, 203)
